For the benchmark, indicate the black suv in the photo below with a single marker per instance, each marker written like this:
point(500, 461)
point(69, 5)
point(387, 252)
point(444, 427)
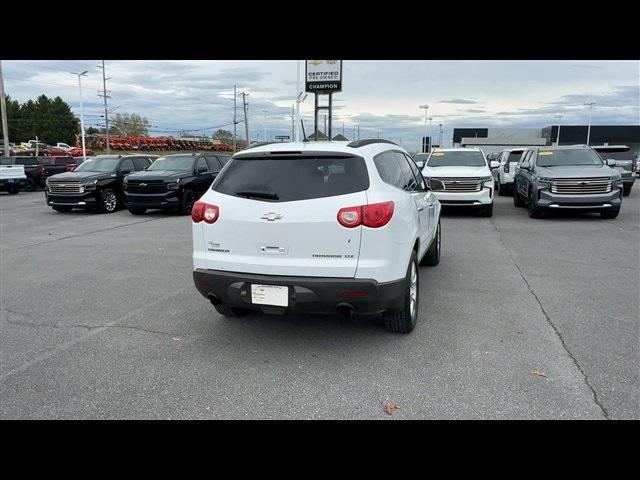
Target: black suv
point(96, 183)
point(172, 182)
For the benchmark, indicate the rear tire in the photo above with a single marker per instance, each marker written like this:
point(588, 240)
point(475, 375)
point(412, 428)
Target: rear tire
point(626, 189)
point(610, 213)
point(30, 186)
point(228, 311)
point(404, 321)
point(517, 201)
point(61, 209)
point(502, 189)
point(186, 202)
point(137, 210)
point(13, 190)
point(432, 257)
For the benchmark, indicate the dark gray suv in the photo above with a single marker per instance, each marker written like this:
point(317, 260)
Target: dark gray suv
point(567, 177)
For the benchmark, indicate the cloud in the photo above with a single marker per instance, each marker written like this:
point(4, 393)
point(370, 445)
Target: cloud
point(382, 97)
point(462, 101)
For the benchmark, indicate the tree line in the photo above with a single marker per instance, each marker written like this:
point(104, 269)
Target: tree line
point(50, 119)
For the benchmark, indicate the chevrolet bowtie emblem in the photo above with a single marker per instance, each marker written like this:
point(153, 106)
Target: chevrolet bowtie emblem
point(271, 216)
point(142, 185)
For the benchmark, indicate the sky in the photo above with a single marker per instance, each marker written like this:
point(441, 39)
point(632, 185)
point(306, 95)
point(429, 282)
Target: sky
point(383, 98)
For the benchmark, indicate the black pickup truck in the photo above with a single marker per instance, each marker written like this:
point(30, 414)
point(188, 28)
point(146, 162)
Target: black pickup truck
point(94, 184)
point(172, 182)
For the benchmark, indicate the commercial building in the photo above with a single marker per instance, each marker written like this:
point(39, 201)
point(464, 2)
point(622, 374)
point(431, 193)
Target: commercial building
point(496, 139)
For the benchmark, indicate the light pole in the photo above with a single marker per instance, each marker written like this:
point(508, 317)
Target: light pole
point(426, 112)
point(5, 128)
point(440, 141)
point(80, 75)
point(590, 105)
point(559, 116)
point(264, 125)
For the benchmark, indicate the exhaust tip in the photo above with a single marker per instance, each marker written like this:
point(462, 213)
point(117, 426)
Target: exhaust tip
point(214, 300)
point(345, 309)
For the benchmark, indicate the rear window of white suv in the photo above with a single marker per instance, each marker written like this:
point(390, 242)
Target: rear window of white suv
point(287, 179)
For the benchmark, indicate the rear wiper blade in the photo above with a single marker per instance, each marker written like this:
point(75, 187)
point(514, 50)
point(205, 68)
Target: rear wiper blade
point(258, 194)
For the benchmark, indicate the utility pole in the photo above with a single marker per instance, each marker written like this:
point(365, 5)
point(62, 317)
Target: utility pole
point(235, 121)
point(5, 129)
point(80, 75)
point(293, 122)
point(559, 116)
point(358, 132)
point(300, 97)
point(105, 96)
point(441, 138)
point(246, 117)
point(590, 105)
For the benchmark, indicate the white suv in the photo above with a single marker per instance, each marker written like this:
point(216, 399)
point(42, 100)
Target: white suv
point(508, 161)
point(318, 227)
point(466, 176)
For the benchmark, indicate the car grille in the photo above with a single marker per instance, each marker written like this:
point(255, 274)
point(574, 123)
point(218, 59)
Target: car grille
point(65, 188)
point(462, 185)
point(581, 186)
point(146, 187)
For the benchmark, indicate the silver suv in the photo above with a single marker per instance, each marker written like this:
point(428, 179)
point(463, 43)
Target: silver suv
point(567, 177)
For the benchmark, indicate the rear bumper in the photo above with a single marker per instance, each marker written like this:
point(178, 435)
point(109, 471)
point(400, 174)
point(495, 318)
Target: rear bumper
point(306, 294)
point(151, 200)
point(86, 200)
point(6, 184)
point(506, 178)
point(483, 197)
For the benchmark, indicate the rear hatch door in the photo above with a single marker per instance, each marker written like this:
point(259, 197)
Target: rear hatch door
point(278, 215)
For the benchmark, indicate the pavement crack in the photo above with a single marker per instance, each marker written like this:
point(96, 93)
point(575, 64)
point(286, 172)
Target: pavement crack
point(585, 378)
point(91, 327)
point(82, 234)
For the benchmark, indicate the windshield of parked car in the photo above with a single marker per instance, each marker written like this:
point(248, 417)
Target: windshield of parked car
point(561, 158)
point(616, 155)
point(457, 158)
point(103, 164)
point(179, 162)
point(514, 156)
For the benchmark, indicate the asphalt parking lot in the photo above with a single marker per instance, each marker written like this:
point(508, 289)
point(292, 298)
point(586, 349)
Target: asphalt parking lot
point(100, 320)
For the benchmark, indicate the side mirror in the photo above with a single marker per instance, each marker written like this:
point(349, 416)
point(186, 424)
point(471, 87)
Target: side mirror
point(436, 185)
point(611, 162)
point(494, 164)
point(125, 172)
point(420, 164)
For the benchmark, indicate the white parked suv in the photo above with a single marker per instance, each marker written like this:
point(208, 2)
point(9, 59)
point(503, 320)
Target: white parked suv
point(466, 176)
point(317, 227)
point(508, 161)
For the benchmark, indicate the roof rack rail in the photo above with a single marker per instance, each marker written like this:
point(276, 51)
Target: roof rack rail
point(369, 141)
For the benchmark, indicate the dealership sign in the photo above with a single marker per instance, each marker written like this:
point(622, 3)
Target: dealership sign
point(323, 76)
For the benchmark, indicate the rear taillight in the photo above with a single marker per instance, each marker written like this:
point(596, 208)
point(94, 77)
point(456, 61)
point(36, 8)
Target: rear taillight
point(375, 215)
point(506, 167)
point(350, 216)
point(202, 211)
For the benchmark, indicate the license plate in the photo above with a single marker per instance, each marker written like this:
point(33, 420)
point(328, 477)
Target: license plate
point(270, 295)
